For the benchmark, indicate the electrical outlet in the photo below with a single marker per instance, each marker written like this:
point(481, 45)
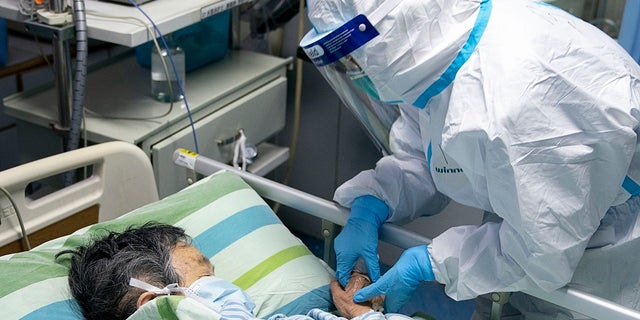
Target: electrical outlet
point(54, 18)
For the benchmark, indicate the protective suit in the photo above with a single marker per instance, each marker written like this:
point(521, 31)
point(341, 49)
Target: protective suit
point(514, 107)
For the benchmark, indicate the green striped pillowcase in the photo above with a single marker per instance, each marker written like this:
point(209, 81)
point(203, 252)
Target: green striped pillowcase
point(229, 223)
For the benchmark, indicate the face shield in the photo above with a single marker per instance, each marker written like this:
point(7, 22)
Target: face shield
point(335, 55)
point(378, 53)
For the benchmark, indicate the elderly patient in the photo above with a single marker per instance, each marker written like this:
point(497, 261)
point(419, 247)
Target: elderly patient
point(115, 275)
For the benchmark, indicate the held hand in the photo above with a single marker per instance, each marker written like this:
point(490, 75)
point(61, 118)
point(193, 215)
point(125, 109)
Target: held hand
point(343, 300)
point(359, 238)
point(399, 283)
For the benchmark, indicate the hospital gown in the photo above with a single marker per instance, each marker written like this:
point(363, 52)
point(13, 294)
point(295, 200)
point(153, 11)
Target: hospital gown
point(234, 310)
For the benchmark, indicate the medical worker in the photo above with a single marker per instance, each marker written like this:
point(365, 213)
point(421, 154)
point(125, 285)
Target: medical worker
point(514, 107)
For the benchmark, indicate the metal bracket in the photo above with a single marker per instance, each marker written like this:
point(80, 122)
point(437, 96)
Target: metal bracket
point(191, 176)
point(65, 32)
point(329, 232)
point(498, 299)
point(229, 140)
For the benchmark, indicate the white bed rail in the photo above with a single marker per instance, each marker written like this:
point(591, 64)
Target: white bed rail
point(122, 179)
point(570, 298)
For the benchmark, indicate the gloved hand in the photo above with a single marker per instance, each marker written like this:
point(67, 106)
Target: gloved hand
point(399, 283)
point(359, 238)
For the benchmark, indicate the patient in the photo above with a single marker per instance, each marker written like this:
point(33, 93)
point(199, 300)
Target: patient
point(115, 275)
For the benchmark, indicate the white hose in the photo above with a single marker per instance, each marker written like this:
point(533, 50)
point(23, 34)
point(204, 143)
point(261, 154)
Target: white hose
point(80, 20)
point(239, 152)
point(77, 109)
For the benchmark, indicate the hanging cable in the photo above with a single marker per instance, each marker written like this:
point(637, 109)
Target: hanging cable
point(175, 71)
point(240, 152)
point(25, 237)
point(296, 106)
point(152, 34)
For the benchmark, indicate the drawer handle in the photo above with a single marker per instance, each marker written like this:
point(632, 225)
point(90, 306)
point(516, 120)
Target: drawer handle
point(230, 140)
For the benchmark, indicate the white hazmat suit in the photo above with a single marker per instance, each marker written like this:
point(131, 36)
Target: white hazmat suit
point(517, 108)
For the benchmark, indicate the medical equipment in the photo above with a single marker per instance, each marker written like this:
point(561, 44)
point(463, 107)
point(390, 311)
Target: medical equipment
point(244, 90)
point(101, 20)
point(166, 88)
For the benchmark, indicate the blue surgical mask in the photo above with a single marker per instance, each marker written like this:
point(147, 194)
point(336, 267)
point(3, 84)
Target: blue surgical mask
point(211, 291)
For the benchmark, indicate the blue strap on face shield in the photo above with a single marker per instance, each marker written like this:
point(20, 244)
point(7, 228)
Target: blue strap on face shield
point(324, 49)
point(631, 186)
point(467, 49)
point(429, 153)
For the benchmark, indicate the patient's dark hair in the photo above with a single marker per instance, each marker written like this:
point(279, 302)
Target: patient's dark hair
point(100, 271)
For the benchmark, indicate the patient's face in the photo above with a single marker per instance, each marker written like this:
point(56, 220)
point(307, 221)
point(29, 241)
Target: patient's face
point(190, 264)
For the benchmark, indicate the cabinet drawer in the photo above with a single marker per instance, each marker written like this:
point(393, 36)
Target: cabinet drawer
point(261, 114)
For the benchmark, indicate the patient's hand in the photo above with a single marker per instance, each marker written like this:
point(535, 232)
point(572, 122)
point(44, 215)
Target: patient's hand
point(343, 298)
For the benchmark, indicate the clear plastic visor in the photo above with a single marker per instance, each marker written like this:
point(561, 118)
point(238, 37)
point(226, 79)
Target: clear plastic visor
point(375, 116)
point(332, 53)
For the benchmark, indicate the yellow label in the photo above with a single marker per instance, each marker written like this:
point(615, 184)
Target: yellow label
point(188, 152)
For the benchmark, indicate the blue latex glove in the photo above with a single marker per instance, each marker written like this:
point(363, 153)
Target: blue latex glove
point(401, 281)
point(359, 238)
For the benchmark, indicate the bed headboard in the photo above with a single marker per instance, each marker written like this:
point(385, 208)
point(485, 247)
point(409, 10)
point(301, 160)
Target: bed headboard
point(121, 180)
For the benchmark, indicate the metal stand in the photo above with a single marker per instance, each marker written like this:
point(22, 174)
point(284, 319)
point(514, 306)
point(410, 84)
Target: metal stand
point(60, 36)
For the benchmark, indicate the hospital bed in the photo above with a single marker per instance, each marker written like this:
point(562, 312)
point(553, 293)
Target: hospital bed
point(224, 212)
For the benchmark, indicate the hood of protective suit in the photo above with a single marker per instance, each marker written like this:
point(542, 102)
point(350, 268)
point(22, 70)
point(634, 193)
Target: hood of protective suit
point(418, 41)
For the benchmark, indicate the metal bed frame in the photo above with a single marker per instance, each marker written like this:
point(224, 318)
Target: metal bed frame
point(333, 214)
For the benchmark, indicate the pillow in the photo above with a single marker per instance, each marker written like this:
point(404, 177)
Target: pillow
point(229, 223)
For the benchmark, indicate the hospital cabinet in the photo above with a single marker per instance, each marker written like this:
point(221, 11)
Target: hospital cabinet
point(245, 90)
